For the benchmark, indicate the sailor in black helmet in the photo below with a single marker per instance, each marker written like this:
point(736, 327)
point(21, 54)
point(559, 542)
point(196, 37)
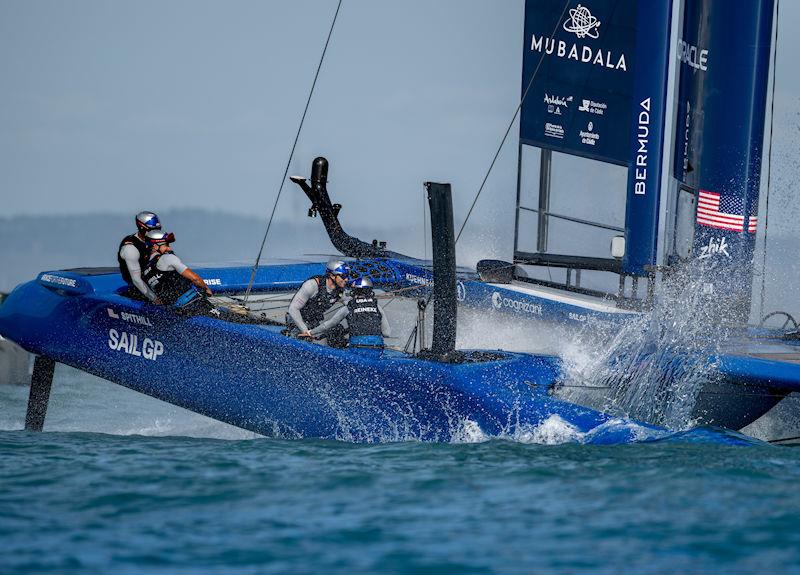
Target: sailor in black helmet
point(366, 323)
point(133, 254)
point(174, 282)
point(316, 296)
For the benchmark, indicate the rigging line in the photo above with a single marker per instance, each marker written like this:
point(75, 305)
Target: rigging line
point(795, 438)
point(291, 154)
point(511, 124)
point(576, 220)
point(769, 154)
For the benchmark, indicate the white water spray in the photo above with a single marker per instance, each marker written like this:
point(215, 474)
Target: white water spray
point(655, 367)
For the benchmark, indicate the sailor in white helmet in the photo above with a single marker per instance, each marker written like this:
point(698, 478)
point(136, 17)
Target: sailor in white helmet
point(175, 283)
point(316, 296)
point(366, 322)
point(133, 254)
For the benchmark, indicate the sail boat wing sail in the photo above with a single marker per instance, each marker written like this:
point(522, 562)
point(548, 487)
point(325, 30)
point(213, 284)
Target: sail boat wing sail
point(599, 94)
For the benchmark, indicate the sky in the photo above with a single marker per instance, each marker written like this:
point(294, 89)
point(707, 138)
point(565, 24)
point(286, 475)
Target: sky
point(113, 107)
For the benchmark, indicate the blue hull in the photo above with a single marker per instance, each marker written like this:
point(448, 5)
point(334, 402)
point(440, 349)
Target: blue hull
point(253, 377)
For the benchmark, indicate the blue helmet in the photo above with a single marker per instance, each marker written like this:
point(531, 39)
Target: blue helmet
point(337, 268)
point(147, 221)
point(363, 282)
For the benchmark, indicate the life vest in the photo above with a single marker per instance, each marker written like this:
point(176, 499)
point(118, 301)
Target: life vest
point(144, 255)
point(170, 286)
point(313, 312)
point(364, 317)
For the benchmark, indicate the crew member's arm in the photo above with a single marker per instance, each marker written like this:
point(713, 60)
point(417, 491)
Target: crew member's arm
point(172, 262)
point(305, 293)
point(334, 320)
point(130, 255)
point(196, 280)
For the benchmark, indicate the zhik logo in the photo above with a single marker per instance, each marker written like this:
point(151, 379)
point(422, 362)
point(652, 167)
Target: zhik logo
point(715, 247)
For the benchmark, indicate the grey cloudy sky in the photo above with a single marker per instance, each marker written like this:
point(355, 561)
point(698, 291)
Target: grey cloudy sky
point(110, 106)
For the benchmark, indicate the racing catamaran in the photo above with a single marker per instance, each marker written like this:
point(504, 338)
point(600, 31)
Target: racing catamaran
point(596, 89)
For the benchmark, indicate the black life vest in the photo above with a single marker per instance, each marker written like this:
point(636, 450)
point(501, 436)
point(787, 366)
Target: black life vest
point(144, 255)
point(364, 317)
point(170, 286)
point(313, 312)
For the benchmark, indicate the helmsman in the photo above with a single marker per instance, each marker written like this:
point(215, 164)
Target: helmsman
point(134, 253)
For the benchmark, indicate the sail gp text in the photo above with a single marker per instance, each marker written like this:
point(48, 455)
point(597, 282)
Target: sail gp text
point(129, 343)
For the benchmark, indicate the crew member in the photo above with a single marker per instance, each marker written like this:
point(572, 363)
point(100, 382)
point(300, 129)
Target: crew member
point(133, 254)
point(366, 324)
point(316, 296)
point(172, 281)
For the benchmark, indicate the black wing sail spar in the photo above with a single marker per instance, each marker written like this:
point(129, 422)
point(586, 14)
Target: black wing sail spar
point(321, 204)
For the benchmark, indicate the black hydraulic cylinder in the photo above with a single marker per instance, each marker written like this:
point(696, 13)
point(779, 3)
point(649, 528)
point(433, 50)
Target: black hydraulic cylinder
point(319, 172)
point(321, 203)
point(440, 201)
point(41, 382)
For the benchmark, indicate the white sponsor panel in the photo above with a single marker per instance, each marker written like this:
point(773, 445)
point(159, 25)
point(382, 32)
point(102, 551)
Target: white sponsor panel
point(129, 343)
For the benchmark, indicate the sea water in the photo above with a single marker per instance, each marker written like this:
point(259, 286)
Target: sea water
point(121, 483)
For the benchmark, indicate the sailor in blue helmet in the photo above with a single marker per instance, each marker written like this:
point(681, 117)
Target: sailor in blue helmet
point(316, 296)
point(175, 284)
point(366, 323)
point(133, 254)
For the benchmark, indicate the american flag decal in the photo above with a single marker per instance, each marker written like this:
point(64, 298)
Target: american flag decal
point(716, 211)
